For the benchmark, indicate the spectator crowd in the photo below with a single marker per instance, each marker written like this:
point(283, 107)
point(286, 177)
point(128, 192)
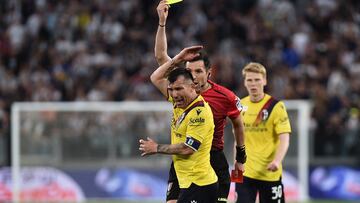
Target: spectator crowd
point(102, 50)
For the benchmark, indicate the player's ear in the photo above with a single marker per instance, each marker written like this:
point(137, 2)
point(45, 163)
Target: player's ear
point(209, 73)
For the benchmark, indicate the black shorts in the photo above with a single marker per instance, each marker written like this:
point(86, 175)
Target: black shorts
point(173, 189)
point(221, 167)
point(198, 194)
point(269, 191)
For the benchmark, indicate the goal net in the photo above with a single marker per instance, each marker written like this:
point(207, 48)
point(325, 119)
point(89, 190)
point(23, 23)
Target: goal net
point(92, 149)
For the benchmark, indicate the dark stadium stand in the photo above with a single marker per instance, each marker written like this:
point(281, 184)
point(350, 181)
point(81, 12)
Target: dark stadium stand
point(94, 50)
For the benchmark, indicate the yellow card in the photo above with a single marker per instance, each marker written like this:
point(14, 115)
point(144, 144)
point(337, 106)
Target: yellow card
point(173, 1)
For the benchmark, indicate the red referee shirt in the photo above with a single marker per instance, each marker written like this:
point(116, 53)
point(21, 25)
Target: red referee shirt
point(224, 103)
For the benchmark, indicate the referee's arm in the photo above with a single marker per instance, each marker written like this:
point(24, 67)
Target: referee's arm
point(160, 49)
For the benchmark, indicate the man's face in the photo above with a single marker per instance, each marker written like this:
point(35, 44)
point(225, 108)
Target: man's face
point(182, 91)
point(199, 73)
point(254, 83)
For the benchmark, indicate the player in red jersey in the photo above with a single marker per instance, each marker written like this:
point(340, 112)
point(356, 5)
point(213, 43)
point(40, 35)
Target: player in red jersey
point(223, 102)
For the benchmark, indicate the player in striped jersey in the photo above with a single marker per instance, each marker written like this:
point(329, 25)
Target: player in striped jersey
point(267, 130)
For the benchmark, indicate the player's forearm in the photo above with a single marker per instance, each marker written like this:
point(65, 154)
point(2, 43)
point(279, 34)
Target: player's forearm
point(159, 76)
point(174, 149)
point(161, 72)
point(161, 45)
point(282, 148)
point(238, 130)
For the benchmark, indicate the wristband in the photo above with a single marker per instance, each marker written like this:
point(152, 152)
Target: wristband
point(161, 25)
point(240, 154)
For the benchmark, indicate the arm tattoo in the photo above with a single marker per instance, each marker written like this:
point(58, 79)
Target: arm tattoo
point(171, 67)
point(171, 149)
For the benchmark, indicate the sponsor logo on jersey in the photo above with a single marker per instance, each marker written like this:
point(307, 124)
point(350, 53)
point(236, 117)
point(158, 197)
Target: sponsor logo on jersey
point(198, 111)
point(284, 120)
point(197, 120)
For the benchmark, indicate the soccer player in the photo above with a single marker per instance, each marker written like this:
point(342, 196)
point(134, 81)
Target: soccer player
point(192, 129)
point(223, 103)
point(267, 130)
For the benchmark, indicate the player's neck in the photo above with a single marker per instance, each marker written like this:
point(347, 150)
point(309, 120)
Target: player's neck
point(191, 100)
point(205, 87)
point(257, 98)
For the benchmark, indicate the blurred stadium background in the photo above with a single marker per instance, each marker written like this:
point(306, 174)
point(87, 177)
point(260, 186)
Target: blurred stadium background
point(102, 51)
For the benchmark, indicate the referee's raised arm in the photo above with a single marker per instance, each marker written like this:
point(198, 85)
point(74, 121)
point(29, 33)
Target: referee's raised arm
point(160, 49)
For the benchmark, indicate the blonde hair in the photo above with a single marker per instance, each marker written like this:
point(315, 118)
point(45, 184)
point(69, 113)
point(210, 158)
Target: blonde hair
point(254, 67)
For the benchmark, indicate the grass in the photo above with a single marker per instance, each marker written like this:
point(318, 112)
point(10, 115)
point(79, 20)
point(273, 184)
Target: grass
point(146, 201)
point(127, 201)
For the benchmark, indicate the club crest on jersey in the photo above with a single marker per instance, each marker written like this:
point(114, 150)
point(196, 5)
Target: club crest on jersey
point(180, 119)
point(264, 115)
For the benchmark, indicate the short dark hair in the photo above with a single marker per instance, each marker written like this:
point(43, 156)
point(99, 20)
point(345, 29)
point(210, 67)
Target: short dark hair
point(174, 74)
point(203, 56)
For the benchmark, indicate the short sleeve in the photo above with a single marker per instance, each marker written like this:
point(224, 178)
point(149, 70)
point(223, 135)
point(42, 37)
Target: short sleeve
point(281, 120)
point(199, 124)
point(235, 107)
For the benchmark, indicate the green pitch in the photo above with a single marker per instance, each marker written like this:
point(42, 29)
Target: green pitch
point(144, 201)
point(118, 201)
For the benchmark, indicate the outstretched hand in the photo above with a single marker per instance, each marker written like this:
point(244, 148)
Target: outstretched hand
point(188, 53)
point(147, 147)
point(163, 11)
